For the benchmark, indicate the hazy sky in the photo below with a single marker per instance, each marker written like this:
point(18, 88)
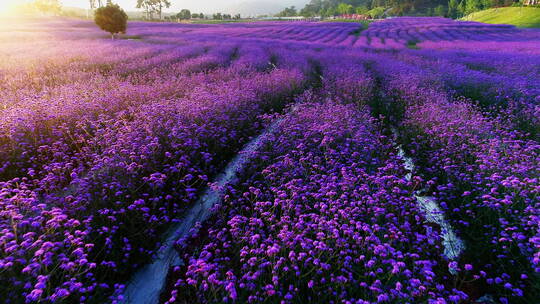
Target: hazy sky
point(209, 6)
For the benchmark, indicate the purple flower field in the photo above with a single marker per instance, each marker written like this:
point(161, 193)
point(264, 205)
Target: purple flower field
point(398, 163)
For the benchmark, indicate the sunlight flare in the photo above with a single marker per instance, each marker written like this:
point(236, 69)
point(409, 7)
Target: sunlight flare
point(7, 6)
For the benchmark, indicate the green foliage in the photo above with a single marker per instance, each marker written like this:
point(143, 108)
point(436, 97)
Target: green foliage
point(376, 12)
point(413, 44)
point(331, 11)
point(453, 9)
point(466, 7)
point(450, 8)
point(344, 9)
point(48, 6)
point(111, 18)
point(220, 16)
point(528, 17)
point(153, 6)
point(472, 6)
point(288, 12)
point(361, 10)
point(184, 14)
point(440, 10)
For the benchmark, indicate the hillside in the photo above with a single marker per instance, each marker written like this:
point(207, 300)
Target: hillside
point(518, 16)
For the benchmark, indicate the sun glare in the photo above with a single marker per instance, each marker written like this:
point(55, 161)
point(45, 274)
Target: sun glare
point(8, 6)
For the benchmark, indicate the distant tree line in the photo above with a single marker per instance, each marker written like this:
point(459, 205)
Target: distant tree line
point(288, 12)
point(186, 14)
point(220, 16)
point(379, 8)
point(152, 7)
point(46, 7)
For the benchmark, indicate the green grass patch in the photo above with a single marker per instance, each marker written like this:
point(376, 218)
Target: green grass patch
point(365, 23)
point(130, 37)
point(357, 32)
point(413, 44)
point(526, 17)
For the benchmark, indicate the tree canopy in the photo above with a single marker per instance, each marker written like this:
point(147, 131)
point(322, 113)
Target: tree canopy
point(184, 14)
point(152, 7)
point(288, 12)
point(111, 18)
point(48, 6)
point(449, 8)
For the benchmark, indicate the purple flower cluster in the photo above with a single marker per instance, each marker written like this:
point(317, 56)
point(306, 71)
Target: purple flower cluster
point(324, 214)
point(96, 162)
point(485, 176)
point(514, 95)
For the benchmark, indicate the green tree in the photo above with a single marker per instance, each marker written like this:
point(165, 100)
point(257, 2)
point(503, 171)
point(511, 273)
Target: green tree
point(111, 18)
point(159, 5)
point(361, 10)
point(288, 12)
point(488, 3)
point(95, 4)
point(394, 7)
point(344, 9)
point(153, 6)
point(462, 7)
point(377, 12)
point(184, 14)
point(314, 8)
point(440, 10)
point(472, 6)
point(52, 7)
point(147, 6)
point(330, 11)
point(453, 9)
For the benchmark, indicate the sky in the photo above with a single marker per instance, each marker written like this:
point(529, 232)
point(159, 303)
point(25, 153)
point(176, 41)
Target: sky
point(245, 7)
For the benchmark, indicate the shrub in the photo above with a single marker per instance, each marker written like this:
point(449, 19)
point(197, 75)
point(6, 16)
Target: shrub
point(112, 19)
point(376, 12)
